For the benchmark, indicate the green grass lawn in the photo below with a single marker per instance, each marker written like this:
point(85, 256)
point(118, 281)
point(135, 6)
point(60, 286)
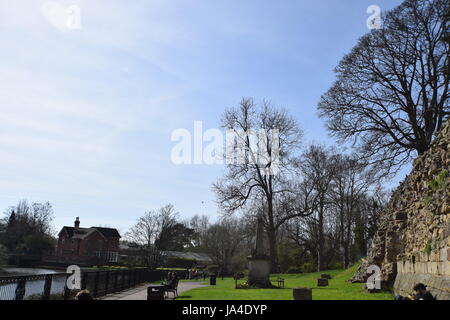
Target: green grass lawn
point(338, 289)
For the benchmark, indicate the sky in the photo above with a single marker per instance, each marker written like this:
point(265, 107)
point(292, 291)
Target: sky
point(88, 105)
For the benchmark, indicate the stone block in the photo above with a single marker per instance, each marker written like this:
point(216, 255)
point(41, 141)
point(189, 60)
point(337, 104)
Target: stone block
point(434, 256)
point(443, 254)
point(432, 268)
point(419, 267)
point(445, 268)
point(400, 267)
point(322, 282)
point(302, 293)
point(447, 231)
point(424, 257)
point(409, 267)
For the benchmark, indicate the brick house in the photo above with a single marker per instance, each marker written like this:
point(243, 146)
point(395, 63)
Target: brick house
point(94, 244)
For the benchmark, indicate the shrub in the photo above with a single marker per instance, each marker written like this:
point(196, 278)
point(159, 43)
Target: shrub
point(428, 248)
point(428, 200)
point(307, 267)
point(439, 182)
point(336, 266)
point(294, 270)
point(110, 267)
point(3, 255)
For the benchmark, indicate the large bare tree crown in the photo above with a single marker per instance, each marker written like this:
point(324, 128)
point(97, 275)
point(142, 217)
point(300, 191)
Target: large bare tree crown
point(248, 179)
point(391, 96)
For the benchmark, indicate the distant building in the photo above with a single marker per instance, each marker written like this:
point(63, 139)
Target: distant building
point(132, 253)
point(201, 259)
point(94, 244)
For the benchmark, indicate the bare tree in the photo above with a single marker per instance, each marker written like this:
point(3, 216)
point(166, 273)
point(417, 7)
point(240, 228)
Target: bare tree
point(251, 178)
point(392, 89)
point(374, 203)
point(318, 167)
point(302, 232)
point(200, 225)
point(351, 183)
point(144, 233)
point(151, 232)
point(222, 241)
point(342, 191)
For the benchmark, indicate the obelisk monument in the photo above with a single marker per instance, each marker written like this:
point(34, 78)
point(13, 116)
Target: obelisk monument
point(259, 261)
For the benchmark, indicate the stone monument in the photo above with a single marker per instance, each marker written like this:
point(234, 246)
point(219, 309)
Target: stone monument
point(259, 261)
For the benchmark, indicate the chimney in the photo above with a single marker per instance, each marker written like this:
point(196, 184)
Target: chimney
point(77, 222)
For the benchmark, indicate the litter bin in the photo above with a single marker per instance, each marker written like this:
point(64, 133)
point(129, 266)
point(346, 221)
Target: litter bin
point(156, 292)
point(212, 280)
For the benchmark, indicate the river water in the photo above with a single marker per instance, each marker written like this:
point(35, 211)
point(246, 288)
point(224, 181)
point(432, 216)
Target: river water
point(32, 287)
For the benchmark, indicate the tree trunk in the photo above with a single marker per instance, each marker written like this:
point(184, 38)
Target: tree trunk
point(318, 259)
point(321, 240)
point(346, 256)
point(271, 233)
point(273, 252)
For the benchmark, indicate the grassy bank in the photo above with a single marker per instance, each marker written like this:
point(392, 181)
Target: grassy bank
point(338, 289)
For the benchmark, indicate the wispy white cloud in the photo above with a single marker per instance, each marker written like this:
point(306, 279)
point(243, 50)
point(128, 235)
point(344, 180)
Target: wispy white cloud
point(86, 114)
point(68, 100)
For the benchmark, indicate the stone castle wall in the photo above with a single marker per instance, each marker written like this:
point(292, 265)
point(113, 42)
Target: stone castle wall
point(412, 243)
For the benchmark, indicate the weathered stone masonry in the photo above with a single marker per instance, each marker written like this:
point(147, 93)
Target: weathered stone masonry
point(413, 240)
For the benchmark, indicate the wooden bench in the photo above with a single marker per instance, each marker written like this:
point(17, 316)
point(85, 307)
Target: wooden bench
point(173, 289)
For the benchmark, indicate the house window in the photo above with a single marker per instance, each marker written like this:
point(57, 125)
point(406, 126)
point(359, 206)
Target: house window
point(113, 256)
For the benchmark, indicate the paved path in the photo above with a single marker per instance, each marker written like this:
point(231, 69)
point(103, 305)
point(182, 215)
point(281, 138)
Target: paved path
point(140, 292)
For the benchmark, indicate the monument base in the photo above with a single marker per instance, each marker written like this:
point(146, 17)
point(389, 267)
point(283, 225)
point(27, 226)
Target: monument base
point(259, 272)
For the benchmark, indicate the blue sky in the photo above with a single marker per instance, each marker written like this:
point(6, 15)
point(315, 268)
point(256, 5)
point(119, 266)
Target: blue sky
point(86, 115)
